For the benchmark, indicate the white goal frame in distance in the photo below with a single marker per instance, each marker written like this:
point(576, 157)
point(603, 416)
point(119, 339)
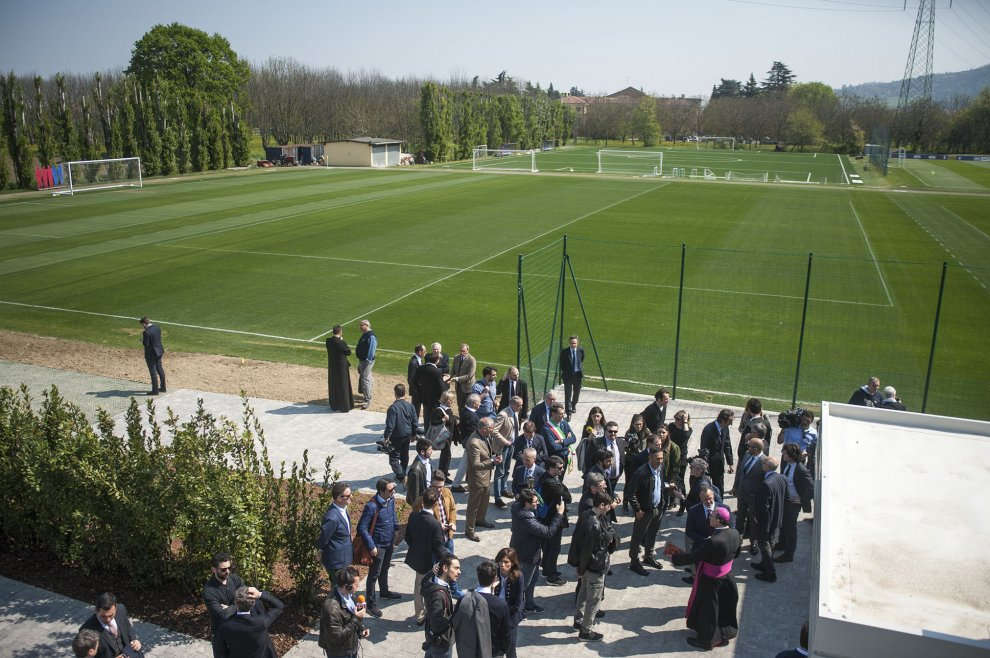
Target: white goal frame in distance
point(487, 154)
point(645, 155)
point(73, 188)
point(715, 138)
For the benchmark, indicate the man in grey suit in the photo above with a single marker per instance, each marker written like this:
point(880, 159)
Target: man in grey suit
point(153, 351)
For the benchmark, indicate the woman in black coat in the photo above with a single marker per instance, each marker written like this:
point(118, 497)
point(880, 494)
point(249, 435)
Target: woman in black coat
point(510, 588)
point(679, 432)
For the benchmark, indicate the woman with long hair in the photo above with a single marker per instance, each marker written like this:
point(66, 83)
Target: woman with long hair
point(594, 428)
point(510, 589)
point(635, 444)
point(680, 431)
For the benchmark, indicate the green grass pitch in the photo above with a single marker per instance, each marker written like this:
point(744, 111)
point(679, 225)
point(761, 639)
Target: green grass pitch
point(262, 264)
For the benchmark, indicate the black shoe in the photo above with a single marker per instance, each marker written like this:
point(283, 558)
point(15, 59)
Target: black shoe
point(752, 550)
point(652, 561)
point(688, 579)
point(557, 581)
point(680, 512)
point(759, 566)
point(390, 595)
point(374, 612)
point(609, 573)
point(577, 625)
point(162, 390)
point(420, 622)
point(784, 558)
point(499, 503)
point(590, 636)
point(484, 523)
point(693, 641)
point(535, 608)
point(458, 488)
point(636, 567)
point(599, 614)
point(152, 393)
point(769, 578)
point(473, 537)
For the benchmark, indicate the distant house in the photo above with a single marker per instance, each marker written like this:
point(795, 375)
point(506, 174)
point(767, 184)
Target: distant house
point(363, 152)
point(629, 95)
point(579, 103)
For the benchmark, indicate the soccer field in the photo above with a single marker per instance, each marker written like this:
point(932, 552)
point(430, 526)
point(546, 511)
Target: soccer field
point(791, 167)
point(262, 264)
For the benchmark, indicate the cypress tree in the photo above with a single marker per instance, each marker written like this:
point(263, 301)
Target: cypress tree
point(197, 137)
point(87, 145)
point(169, 138)
point(45, 141)
point(179, 114)
point(213, 130)
point(65, 130)
point(103, 110)
point(151, 141)
point(12, 96)
point(126, 120)
point(239, 150)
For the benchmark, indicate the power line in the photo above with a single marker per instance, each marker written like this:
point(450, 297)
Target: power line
point(965, 40)
point(807, 8)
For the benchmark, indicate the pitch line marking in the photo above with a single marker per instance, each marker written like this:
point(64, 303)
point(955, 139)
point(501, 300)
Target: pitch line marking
point(842, 164)
point(872, 255)
point(965, 222)
point(496, 255)
point(616, 282)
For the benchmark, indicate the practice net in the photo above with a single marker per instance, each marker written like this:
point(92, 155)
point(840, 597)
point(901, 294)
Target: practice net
point(630, 162)
point(503, 160)
point(539, 307)
point(87, 175)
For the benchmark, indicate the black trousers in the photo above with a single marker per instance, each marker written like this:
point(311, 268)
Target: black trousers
point(716, 471)
point(788, 532)
point(445, 460)
point(156, 371)
point(766, 555)
point(572, 391)
point(551, 551)
point(378, 574)
point(398, 456)
point(644, 532)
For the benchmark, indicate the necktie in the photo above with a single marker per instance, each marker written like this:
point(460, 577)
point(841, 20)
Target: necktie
point(574, 359)
point(749, 464)
point(512, 388)
point(113, 627)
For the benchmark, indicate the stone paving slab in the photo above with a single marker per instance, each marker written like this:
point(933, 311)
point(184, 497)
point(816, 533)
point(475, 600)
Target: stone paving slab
point(87, 391)
point(644, 614)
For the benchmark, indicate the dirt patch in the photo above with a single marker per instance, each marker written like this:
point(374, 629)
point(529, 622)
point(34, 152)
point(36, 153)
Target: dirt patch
point(204, 372)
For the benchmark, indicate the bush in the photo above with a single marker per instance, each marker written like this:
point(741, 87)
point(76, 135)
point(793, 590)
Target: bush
point(152, 510)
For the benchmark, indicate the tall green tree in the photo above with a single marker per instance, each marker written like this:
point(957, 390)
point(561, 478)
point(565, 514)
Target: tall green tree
point(198, 147)
point(803, 128)
point(45, 141)
point(4, 164)
point(103, 110)
point(435, 116)
point(190, 61)
point(166, 130)
point(751, 88)
point(511, 116)
point(644, 121)
point(126, 118)
point(12, 109)
point(150, 141)
point(65, 129)
point(87, 144)
point(179, 113)
point(779, 78)
point(727, 88)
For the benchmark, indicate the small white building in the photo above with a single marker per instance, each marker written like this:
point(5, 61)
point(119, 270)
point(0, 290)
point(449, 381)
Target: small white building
point(363, 152)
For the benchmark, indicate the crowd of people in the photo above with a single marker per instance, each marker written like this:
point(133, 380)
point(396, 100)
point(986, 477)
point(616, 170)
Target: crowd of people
point(516, 457)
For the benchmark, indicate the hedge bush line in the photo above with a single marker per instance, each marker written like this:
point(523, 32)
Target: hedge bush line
point(153, 509)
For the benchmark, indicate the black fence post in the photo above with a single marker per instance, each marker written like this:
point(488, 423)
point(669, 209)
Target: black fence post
point(931, 353)
point(519, 293)
point(677, 334)
point(804, 317)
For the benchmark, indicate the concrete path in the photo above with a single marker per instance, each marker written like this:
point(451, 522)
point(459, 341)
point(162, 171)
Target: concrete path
point(644, 614)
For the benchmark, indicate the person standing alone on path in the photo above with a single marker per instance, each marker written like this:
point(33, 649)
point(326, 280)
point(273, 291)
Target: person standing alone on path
point(366, 348)
point(340, 395)
point(571, 372)
point(151, 337)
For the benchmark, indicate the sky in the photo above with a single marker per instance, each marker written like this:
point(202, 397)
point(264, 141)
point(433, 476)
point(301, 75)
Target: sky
point(664, 47)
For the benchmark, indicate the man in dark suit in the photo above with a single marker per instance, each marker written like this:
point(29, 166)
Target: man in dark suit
point(770, 499)
point(697, 526)
point(336, 551)
point(541, 412)
point(748, 479)
point(867, 395)
point(557, 433)
point(420, 471)
point(443, 359)
point(430, 385)
point(554, 491)
point(528, 537)
point(716, 447)
point(117, 636)
point(218, 593)
point(417, 359)
point(530, 438)
point(151, 338)
point(800, 490)
point(509, 386)
point(572, 372)
point(425, 539)
point(648, 499)
point(655, 415)
point(615, 445)
point(245, 635)
point(498, 610)
point(528, 474)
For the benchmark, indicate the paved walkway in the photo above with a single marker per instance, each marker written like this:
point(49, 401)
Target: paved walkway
point(644, 614)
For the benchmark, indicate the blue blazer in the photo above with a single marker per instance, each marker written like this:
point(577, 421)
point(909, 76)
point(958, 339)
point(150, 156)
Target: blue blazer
point(552, 447)
point(696, 526)
point(384, 532)
point(334, 543)
point(519, 478)
point(539, 445)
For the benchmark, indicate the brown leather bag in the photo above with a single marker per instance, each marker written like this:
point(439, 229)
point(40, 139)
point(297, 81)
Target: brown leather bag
point(362, 552)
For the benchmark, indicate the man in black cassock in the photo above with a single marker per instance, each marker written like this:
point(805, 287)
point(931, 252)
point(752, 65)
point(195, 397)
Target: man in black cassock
point(714, 596)
point(339, 375)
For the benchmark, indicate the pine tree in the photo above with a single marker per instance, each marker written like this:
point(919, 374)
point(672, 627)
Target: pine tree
point(435, 117)
point(4, 164)
point(239, 149)
point(169, 138)
point(150, 138)
point(44, 140)
point(87, 145)
point(752, 88)
point(779, 78)
point(180, 114)
point(127, 120)
point(198, 157)
point(214, 146)
point(65, 129)
point(104, 112)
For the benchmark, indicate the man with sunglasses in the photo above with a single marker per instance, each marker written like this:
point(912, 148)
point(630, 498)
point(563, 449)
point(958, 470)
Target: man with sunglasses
point(334, 542)
point(218, 593)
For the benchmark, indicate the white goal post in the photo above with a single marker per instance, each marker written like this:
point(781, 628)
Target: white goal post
point(88, 175)
point(504, 160)
point(716, 142)
point(628, 161)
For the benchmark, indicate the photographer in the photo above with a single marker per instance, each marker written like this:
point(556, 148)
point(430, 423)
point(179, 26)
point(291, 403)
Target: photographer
point(590, 553)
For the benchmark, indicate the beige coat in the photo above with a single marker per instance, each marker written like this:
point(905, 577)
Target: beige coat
point(506, 429)
point(462, 372)
point(479, 462)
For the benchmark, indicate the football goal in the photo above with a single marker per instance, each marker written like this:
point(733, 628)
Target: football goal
point(87, 175)
point(748, 176)
point(710, 142)
point(503, 160)
point(630, 162)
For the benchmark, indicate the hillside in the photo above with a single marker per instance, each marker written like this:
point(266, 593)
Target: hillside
point(945, 86)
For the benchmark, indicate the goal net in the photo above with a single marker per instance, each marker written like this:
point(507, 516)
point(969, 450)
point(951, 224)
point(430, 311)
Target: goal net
point(748, 176)
point(636, 163)
point(503, 160)
point(728, 143)
point(87, 175)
